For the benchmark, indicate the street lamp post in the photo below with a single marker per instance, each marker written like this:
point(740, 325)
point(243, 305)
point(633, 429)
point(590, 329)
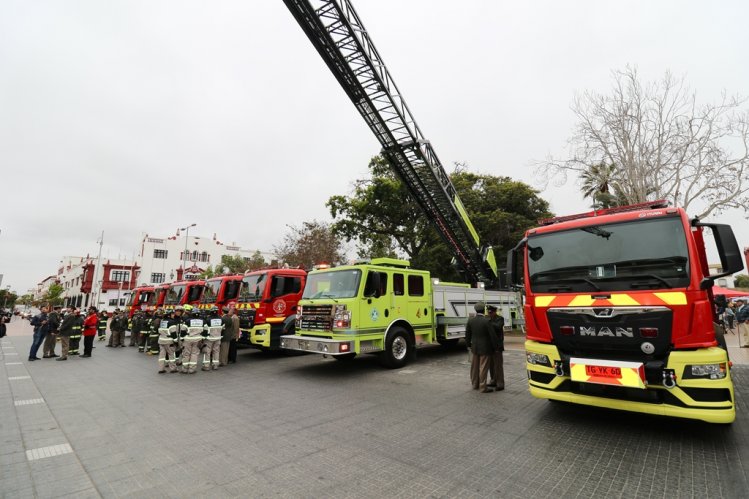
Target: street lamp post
point(184, 255)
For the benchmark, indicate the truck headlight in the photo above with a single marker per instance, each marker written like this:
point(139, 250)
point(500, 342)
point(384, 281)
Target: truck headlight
point(283, 343)
point(341, 317)
point(710, 371)
point(537, 359)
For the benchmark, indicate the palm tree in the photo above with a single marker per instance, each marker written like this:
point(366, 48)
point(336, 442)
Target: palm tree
point(599, 183)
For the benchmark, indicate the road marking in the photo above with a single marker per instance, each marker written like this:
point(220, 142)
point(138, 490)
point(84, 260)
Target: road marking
point(14, 363)
point(10, 353)
point(28, 402)
point(406, 371)
point(51, 451)
point(19, 377)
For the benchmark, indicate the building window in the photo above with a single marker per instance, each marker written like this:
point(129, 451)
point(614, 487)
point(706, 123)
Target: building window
point(159, 253)
point(157, 277)
point(120, 276)
point(204, 256)
point(113, 302)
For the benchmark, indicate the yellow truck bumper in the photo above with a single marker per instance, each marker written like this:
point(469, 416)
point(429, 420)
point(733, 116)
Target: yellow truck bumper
point(259, 336)
point(710, 400)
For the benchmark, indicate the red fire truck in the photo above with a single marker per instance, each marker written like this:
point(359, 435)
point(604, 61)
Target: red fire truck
point(157, 299)
point(267, 306)
point(620, 314)
point(221, 291)
point(183, 293)
point(139, 298)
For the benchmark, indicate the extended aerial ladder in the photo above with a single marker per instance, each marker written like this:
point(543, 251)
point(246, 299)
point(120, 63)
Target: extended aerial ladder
point(336, 31)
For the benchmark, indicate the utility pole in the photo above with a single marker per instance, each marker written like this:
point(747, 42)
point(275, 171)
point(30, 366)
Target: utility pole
point(184, 255)
point(97, 287)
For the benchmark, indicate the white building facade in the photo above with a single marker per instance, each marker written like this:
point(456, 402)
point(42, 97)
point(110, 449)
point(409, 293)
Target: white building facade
point(178, 257)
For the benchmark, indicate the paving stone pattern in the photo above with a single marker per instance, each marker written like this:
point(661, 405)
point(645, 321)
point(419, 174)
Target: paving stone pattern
point(304, 426)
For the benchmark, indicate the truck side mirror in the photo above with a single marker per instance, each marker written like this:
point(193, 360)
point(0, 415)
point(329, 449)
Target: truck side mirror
point(731, 260)
point(515, 265)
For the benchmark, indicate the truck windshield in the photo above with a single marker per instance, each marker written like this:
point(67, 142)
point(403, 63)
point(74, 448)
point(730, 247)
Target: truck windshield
point(332, 284)
point(156, 297)
point(231, 290)
point(174, 295)
point(196, 290)
point(641, 254)
point(252, 287)
point(211, 291)
point(144, 297)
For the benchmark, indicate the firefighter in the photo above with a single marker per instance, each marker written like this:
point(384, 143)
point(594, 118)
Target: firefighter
point(212, 340)
point(179, 319)
point(145, 331)
point(135, 325)
point(192, 342)
point(169, 331)
point(153, 336)
point(66, 330)
point(101, 326)
point(75, 333)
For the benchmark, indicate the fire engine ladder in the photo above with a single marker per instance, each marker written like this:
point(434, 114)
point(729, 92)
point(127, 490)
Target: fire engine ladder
point(336, 31)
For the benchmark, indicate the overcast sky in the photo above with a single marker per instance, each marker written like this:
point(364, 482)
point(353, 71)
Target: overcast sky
point(137, 117)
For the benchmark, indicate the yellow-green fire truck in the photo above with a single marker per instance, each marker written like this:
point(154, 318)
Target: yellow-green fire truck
point(384, 307)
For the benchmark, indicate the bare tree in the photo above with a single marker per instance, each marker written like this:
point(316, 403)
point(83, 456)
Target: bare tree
point(311, 244)
point(661, 144)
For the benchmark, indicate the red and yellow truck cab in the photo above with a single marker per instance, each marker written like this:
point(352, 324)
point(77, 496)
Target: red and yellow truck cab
point(267, 306)
point(156, 301)
point(221, 291)
point(619, 311)
point(138, 300)
point(183, 293)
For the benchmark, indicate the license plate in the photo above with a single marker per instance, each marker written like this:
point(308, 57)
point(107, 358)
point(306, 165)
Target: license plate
point(608, 372)
point(605, 371)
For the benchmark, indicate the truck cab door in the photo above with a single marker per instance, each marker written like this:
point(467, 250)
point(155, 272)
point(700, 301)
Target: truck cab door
point(375, 307)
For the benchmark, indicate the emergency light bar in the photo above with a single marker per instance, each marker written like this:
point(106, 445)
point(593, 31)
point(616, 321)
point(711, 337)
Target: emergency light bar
point(650, 205)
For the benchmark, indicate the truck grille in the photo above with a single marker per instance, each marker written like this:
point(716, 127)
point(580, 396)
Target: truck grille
point(317, 318)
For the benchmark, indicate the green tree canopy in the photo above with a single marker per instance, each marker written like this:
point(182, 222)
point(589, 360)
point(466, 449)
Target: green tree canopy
point(236, 264)
point(8, 298)
point(741, 281)
point(311, 244)
point(53, 296)
point(383, 219)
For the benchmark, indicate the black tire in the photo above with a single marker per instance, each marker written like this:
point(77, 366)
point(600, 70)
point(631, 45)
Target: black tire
point(398, 348)
point(345, 357)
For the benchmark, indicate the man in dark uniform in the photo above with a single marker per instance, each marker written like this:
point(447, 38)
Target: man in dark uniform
point(496, 370)
point(135, 326)
point(482, 341)
point(50, 340)
point(118, 327)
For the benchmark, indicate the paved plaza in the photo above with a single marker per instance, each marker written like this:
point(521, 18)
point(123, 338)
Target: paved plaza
point(304, 426)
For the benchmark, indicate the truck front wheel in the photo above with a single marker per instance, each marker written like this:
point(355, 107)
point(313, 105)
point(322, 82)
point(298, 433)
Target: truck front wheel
point(397, 348)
